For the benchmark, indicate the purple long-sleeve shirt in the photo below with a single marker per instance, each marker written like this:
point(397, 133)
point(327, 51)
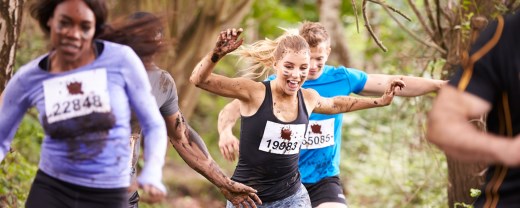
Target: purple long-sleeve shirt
point(85, 113)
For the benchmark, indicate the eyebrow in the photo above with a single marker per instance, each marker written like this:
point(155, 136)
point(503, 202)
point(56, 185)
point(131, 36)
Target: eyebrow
point(71, 19)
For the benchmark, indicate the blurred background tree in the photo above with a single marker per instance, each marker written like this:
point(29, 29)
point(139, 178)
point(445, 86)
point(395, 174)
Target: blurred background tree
point(386, 160)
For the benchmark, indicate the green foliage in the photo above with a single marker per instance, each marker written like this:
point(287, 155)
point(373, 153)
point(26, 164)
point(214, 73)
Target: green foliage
point(269, 15)
point(19, 166)
point(475, 192)
point(386, 160)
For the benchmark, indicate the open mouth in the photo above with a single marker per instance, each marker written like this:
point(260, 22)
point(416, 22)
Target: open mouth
point(293, 85)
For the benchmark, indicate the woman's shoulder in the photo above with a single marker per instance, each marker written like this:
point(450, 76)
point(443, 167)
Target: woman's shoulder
point(112, 47)
point(31, 66)
point(115, 53)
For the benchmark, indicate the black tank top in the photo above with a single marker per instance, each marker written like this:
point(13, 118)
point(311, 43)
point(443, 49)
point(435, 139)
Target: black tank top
point(269, 150)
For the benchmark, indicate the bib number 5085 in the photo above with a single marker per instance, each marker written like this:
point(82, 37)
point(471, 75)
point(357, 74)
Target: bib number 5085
point(319, 139)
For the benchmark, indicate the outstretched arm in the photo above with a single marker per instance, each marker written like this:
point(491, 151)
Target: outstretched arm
point(415, 86)
point(448, 128)
point(227, 118)
point(193, 150)
point(203, 76)
point(343, 104)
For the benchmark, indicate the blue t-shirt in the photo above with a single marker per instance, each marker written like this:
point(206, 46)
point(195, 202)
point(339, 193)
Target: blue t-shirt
point(85, 113)
point(320, 153)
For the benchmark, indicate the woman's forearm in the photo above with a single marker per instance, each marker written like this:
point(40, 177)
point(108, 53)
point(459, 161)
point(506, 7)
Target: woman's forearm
point(203, 69)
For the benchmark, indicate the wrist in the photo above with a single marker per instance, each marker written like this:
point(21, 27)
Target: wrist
point(216, 55)
point(381, 101)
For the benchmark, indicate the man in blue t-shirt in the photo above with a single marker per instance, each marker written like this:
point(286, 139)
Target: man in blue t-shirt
point(320, 154)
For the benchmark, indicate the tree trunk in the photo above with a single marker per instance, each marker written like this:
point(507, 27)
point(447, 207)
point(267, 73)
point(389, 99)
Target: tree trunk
point(330, 17)
point(462, 176)
point(10, 22)
point(193, 26)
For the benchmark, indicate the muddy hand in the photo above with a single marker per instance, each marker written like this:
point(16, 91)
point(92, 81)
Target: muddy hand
point(240, 194)
point(395, 85)
point(227, 42)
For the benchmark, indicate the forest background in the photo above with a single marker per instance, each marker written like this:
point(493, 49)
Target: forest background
point(386, 161)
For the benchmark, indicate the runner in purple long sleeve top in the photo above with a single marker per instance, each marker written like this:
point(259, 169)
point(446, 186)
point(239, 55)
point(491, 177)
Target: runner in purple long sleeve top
point(84, 89)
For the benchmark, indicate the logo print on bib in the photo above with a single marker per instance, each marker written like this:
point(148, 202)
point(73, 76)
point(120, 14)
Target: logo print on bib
point(286, 133)
point(316, 128)
point(74, 88)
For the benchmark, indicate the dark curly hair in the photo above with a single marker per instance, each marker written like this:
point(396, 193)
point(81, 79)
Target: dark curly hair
point(43, 10)
point(142, 31)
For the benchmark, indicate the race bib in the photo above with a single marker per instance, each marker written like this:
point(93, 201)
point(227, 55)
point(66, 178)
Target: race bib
point(320, 134)
point(76, 95)
point(283, 139)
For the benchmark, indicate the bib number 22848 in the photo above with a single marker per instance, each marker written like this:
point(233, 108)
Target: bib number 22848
point(76, 95)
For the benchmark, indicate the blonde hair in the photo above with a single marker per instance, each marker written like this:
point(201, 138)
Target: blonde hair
point(263, 54)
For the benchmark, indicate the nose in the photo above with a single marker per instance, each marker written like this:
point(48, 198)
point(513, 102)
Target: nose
point(313, 64)
point(73, 33)
point(295, 73)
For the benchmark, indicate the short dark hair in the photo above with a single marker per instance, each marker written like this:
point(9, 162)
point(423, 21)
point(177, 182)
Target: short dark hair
point(42, 10)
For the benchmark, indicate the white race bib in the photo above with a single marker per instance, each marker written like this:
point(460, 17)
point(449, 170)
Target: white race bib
point(76, 95)
point(320, 134)
point(283, 139)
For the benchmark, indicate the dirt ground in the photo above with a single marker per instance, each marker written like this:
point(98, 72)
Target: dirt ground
point(187, 188)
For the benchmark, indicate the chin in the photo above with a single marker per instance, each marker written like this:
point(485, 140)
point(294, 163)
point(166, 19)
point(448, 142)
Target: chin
point(291, 92)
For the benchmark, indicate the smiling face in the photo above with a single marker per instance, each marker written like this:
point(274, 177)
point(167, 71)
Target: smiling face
point(319, 56)
point(72, 29)
point(292, 70)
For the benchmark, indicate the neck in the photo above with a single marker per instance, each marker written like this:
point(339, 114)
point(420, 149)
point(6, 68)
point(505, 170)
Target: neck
point(59, 64)
point(150, 66)
point(278, 91)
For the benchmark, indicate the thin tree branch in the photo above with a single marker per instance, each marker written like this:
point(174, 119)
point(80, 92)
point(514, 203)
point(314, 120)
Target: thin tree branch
point(415, 36)
point(355, 13)
point(429, 14)
point(439, 27)
point(392, 8)
point(421, 19)
point(369, 28)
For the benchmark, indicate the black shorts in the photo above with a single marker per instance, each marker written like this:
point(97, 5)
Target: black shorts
point(326, 190)
point(133, 200)
point(47, 191)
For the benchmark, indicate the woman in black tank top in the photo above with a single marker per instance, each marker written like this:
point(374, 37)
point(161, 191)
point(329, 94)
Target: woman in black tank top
point(274, 114)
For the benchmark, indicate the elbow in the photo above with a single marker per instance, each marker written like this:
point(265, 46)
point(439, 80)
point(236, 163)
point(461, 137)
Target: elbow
point(434, 129)
point(194, 79)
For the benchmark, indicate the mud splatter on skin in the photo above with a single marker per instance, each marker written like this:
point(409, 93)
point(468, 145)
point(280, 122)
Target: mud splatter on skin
point(182, 128)
point(195, 138)
point(214, 58)
point(178, 121)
